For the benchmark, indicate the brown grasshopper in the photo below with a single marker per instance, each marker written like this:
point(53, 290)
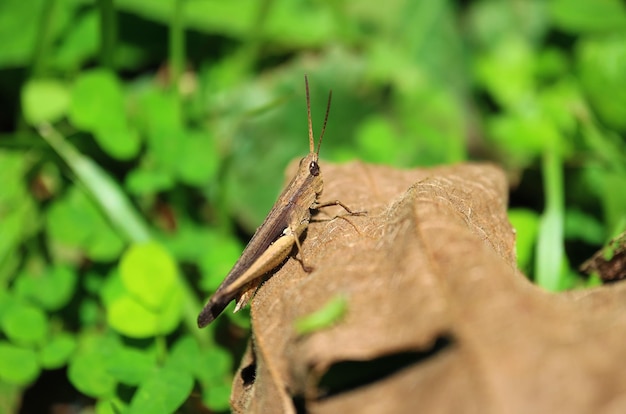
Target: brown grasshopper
point(274, 240)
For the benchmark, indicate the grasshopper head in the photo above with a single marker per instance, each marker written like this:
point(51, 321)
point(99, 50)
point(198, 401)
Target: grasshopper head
point(309, 168)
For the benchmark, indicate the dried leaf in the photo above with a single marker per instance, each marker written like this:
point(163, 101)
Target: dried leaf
point(438, 317)
point(610, 262)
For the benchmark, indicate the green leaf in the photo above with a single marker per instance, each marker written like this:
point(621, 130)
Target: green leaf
point(74, 221)
point(200, 156)
point(18, 365)
point(111, 406)
point(507, 71)
point(52, 290)
point(185, 354)
point(79, 43)
point(19, 216)
point(71, 218)
point(323, 318)
point(213, 367)
point(97, 106)
point(583, 16)
point(13, 164)
point(216, 254)
point(217, 397)
point(490, 21)
point(132, 366)
point(57, 351)
point(97, 100)
point(606, 185)
point(90, 313)
point(583, 226)
point(144, 181)
point(149, 273)
point(605, 144)
point(298, 24)
point(157, 110)
point(88, 370)
point(119, 141)
point(143, 321)
point(602, 64)
point(522, 136)
point(166, 147)
point(24, 323)
point(45, 100)
point(163, 392)
point(7, 299)
point(105, 244)
point(375, 138)
point(25, 18)
point(438, 124)
point(194, 243)
point(19, 17)
point(559, 104)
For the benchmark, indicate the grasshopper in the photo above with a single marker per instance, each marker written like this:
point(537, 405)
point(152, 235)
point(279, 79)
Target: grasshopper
point(274, 240)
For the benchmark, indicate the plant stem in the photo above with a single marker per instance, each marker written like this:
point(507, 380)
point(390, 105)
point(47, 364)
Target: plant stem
point(177, 47)
point(550, 249)
point(44, 38)
point(108, 32)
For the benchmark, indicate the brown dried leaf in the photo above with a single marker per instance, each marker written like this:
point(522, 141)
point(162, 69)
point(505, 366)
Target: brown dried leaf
point(439, 319)
point(609, 262)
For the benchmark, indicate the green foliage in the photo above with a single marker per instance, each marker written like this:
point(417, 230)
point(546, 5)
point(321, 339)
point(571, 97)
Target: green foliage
point(74, 222)
point(328, 315)
point(131, 161)
point(149, 274)
point(600, 75)
point(44, 100)
point(120, 301)
point(51, 288)
point(23, 323)
point(18, 365)
point(97, 106)
point(57, 350)
point(88, 368)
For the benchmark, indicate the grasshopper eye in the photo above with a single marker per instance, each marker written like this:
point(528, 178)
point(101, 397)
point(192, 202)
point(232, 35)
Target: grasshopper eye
point(314, 169)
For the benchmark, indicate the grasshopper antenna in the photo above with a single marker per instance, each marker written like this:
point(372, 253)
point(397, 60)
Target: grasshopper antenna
point(319, 144)
point(308, 111)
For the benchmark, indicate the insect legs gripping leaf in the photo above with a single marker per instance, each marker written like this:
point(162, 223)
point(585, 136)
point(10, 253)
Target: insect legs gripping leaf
point(274, 240)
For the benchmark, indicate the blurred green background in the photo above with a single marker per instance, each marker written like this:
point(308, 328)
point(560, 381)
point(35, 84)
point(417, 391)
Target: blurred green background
point(143, 141)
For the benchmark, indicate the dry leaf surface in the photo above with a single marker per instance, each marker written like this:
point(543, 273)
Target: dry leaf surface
point(610, 262)
point(439, 319)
